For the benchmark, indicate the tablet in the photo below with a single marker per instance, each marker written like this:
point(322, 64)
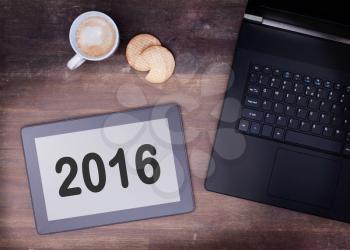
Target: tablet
point(108, 169)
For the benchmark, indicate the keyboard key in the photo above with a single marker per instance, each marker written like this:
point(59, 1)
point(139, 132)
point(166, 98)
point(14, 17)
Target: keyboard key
point(347, 111)
point(339, 135)
point(275, 83)
point(243, 126)
point(267, 70)
point(310, 90)
point(264, 80)
point(270, 118)
point(266, 93)
point(323, 93)
point(313, 116)
point(287, 85)
point(290, 110)
point(287, 75)
point(277, 72)
point(266, 131)
point(328, 84)
point(253, 77)
point(278, 96)
point(302, 113)
point(253, 90)
point(337, 109)
point(278, 108)
point(325, 119)
point(314, 104)
point(293, 123)
point(347, 89)
point(313, 141)
point(290, 98)
point(267, 105)
point(278, 134)
point(281, 121)
point(252, 102)
point(346, 150)
point(337, 121)
point(255, 128)
point(298, 88)
point(297, 77)
point(302, 101)
point(338, 86)
point(333, 96)
point(344, 99)
point(317, 81)
point(256, 67)
point(305, 126)
point(327, 131)
point(316, 129)
point(307, 79)
point(252, 114)
point(325, 106)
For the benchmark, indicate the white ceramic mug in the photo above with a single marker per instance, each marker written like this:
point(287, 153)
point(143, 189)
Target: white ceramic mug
point(79, 58)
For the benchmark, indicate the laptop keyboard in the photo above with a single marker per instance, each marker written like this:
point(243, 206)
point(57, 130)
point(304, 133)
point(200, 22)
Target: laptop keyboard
point(297, 109)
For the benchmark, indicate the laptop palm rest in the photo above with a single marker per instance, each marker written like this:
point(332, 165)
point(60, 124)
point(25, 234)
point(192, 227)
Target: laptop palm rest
point(304, 178)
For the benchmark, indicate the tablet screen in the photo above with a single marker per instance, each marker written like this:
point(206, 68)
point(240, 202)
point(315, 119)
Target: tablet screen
point(107, 169)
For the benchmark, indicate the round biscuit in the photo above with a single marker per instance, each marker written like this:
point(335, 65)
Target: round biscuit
point(161, 62)
point(136, 46)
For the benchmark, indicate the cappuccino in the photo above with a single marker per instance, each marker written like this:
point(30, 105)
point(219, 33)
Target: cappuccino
point(95, 37)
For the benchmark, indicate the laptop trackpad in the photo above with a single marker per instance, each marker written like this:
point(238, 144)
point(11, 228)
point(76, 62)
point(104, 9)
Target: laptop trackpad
point(304, 178)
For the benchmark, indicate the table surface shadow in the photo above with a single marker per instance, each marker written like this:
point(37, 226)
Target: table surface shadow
point(37, 87)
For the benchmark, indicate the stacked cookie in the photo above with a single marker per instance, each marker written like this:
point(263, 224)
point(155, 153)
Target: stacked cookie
point(145, 53)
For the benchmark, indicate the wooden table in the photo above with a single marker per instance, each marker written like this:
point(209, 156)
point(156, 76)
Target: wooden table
point(36, 86)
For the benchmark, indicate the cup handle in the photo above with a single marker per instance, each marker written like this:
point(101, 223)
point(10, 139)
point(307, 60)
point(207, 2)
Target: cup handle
point(75, 62)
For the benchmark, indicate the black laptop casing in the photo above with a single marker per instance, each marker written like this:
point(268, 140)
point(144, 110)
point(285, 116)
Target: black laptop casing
point(244, 166)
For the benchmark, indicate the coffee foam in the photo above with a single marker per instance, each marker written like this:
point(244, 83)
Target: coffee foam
point(95, 37)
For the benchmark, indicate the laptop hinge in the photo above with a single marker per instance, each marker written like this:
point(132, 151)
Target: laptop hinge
point(297, 29)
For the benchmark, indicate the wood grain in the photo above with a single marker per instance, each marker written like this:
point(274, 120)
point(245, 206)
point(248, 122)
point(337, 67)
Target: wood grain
point(36, 87)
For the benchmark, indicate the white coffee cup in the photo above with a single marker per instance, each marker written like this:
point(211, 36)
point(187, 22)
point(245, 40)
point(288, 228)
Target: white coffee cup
point(81, 57)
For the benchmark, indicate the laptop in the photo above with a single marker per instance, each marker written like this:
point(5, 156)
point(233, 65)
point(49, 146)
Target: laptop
point(283, 137)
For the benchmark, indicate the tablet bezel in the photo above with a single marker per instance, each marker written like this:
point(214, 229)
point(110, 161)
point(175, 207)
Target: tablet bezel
point(169, 111)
